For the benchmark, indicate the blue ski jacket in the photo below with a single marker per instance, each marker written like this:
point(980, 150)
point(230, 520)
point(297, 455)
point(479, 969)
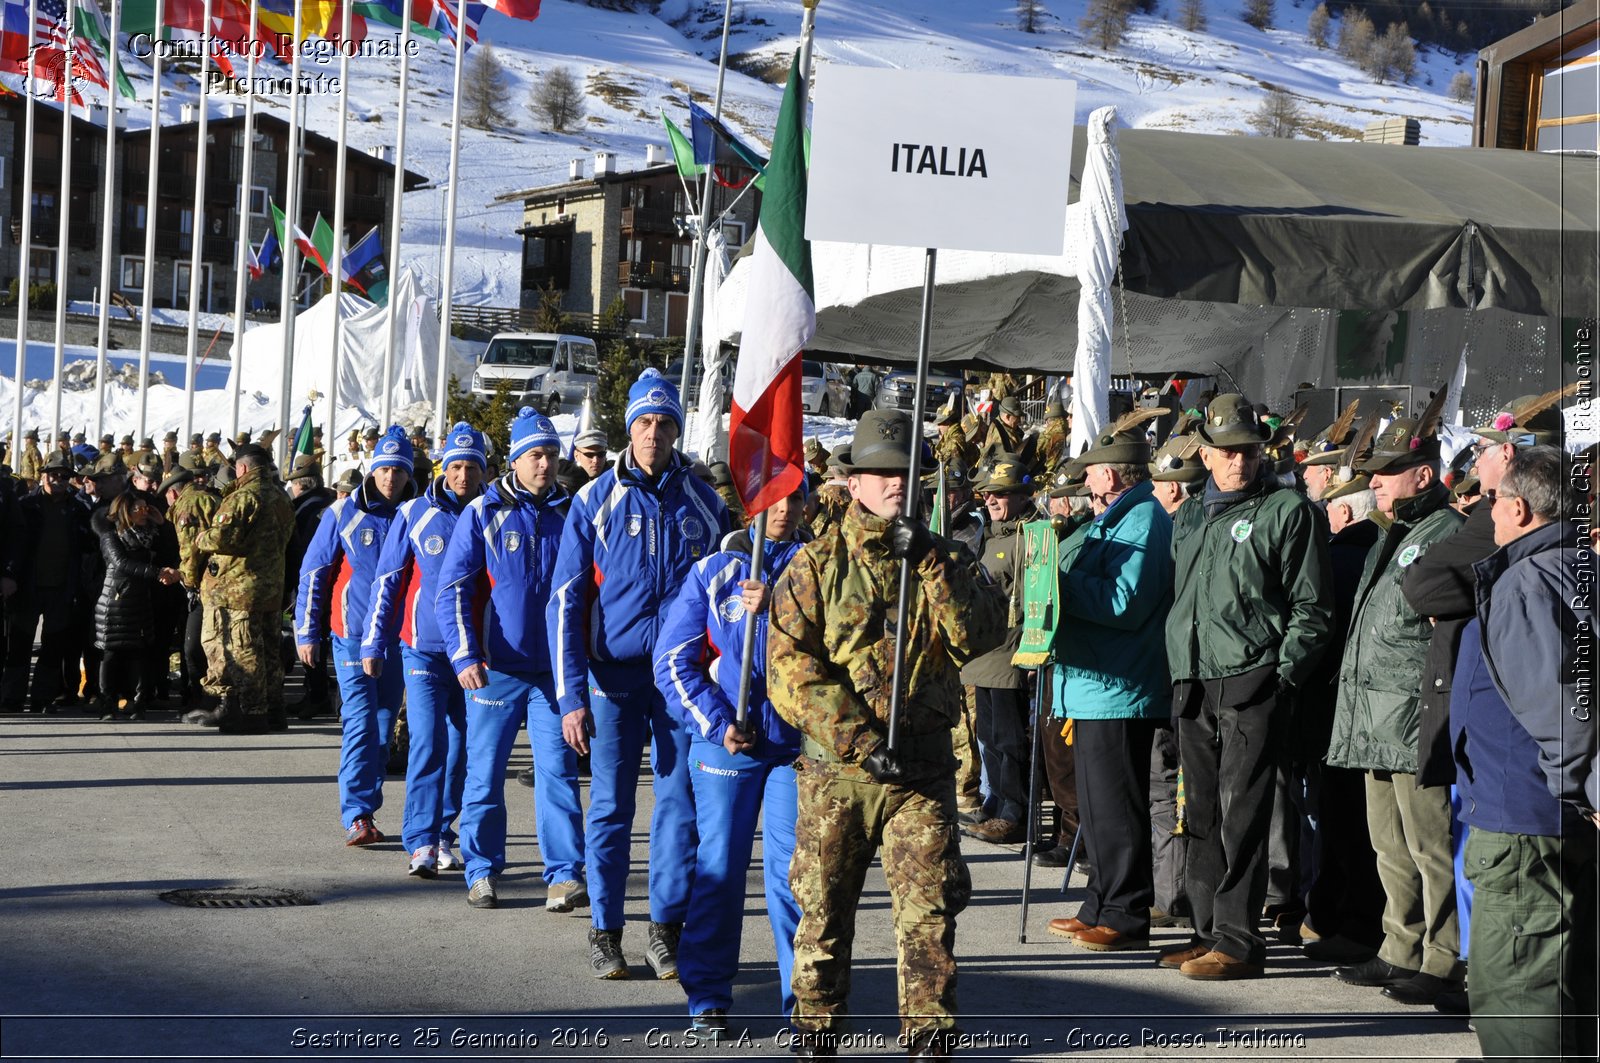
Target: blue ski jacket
point(341, 564)
point(407, 586)
point(495, 578)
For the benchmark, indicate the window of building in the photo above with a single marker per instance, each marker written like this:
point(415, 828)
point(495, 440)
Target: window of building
point(638, 303)
point(733, 232)
point(258, 201)
point(185, 230)
point(677, 313)
point(42, 265)
point(1566, 112)
point(132, 274)
point(180, 286)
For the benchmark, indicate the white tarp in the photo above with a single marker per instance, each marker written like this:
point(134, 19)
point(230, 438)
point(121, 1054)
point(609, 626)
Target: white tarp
point(363, 334)
point(707, 437)
point(1095, 230)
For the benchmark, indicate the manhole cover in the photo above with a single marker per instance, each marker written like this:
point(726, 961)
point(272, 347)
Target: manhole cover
point(238, 897)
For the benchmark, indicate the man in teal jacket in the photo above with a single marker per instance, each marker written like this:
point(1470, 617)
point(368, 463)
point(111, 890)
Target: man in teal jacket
point(1251, 611)
point(1375, 725)
point(1111, 678)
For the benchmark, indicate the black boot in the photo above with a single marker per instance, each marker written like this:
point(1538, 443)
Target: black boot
point(815, 1044)
point(929, 1044)
point(277, 718)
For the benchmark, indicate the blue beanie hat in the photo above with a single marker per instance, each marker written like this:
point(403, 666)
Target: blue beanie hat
point(653, 393)
point(464, 443)
point(393, 450)
point(530, 429)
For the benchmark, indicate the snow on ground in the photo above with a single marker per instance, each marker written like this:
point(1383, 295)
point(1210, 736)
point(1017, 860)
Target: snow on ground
point(635, 64)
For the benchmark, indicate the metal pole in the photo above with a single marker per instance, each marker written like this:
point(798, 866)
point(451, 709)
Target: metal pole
point(447, 274)
point(808, 21)
point(697, 273)
point(913, 497)
point(25, 249)
point(336, 263)
point(757, 556)
point(398, 192)
point(152, 186)
point(291, 224)
point(1033, 797)
point(64, 218)
point(108, 214)
point(241, 279)
point(191, 343)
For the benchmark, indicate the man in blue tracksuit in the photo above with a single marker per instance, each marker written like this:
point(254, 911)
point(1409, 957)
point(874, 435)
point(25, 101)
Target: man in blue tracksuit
point(335, 595)
point(737, 775)
point(630, 538)
point(403, 608)
point(493, 586)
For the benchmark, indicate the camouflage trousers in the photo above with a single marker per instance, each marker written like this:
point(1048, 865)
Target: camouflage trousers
point(243, 660)
point(969, 773)
point(841, 825)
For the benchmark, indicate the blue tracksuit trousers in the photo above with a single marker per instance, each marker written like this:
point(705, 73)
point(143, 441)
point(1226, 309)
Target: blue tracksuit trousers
point(493, 716)
point(436, 768)
point(730, 792)
point(367, 716)
point(625, 705)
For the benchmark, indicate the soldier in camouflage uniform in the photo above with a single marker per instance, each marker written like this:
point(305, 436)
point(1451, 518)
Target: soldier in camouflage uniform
point(833, 497)
point(1054, 436)
point(211, 455)
point(31, 461)
point(242, 594)
point(832, 648)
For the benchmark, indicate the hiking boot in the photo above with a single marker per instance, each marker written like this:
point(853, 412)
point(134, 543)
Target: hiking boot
point(814, 1044)
point(565, 896)
point(239, 723)
point(362, 831)
point(1105, 939)
point(424, 863)
point(996, 832)
point(1175, 957)
point(1067, 927)
point(482, 895)
point(661, 949)
point(605, 953)
point(1053, 857)
point(971, 817)
point(203, 717)
point(711, 1021)
point(448, 860)
point(525, 777)
point(277, 719)
point(310, 710)
point(929, 1044)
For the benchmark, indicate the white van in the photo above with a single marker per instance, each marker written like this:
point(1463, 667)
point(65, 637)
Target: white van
point(548, 371)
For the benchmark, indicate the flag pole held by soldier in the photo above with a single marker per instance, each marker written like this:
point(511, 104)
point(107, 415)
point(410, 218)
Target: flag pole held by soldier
point(913, 501)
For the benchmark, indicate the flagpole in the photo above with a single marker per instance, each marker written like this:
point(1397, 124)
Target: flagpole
point(152, 184)
point(64, 205)
point(291, 227)
point(336, 260)
point(241, 279)
point(808, 26)
point(108, 211)
point(24, 253)
point(691, 337)
point(191, 344)
point(448, 272)
point(397, 190)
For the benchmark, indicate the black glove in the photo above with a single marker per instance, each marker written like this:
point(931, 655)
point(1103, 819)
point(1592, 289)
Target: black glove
point(883, 765)
point(910, 541)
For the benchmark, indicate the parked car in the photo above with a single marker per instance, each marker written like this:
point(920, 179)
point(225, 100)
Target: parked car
point(823, 389)
point(674, 373)
point(549, 371)
point(898, 391)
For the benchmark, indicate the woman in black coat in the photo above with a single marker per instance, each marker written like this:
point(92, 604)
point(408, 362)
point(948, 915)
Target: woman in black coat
point(124, 617)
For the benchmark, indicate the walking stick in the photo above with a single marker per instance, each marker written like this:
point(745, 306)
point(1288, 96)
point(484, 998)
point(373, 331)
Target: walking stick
point(1039, 718)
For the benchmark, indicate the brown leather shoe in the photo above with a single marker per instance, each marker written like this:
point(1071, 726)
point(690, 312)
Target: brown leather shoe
point(1066, 928)
point(997, 832)
point(1220, 967)
point(1104, 939)
point(1176, 957)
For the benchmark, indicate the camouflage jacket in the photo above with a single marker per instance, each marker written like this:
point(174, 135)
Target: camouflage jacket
point(730, 498)
point(832, 501)
point(246, 540)
point(953, 446)
point(30, 463)
point(1052, 447)
point(831, 645)
point(190, 515)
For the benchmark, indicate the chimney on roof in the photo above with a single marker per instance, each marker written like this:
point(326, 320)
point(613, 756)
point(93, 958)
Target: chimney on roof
point(187, 112)
point(575, 170)
point(382, 152)
point(605, 163)
point(653, 155)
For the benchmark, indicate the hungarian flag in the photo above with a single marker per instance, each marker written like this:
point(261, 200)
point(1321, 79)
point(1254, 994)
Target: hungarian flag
point(523, 9)
point(766, 444)
point(302, 242)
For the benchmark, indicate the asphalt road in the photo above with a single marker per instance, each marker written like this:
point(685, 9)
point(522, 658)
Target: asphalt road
point(100, 819)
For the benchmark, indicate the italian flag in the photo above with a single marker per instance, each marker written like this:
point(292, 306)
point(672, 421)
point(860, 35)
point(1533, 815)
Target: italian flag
point(766, 445)
point(302, 242)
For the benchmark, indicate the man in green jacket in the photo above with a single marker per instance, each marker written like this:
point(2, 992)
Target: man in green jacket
point(1375, 725)
point(1251, 611)
point(1116, 589)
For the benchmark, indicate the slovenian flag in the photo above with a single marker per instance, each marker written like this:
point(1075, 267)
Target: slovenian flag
point(766, 445)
